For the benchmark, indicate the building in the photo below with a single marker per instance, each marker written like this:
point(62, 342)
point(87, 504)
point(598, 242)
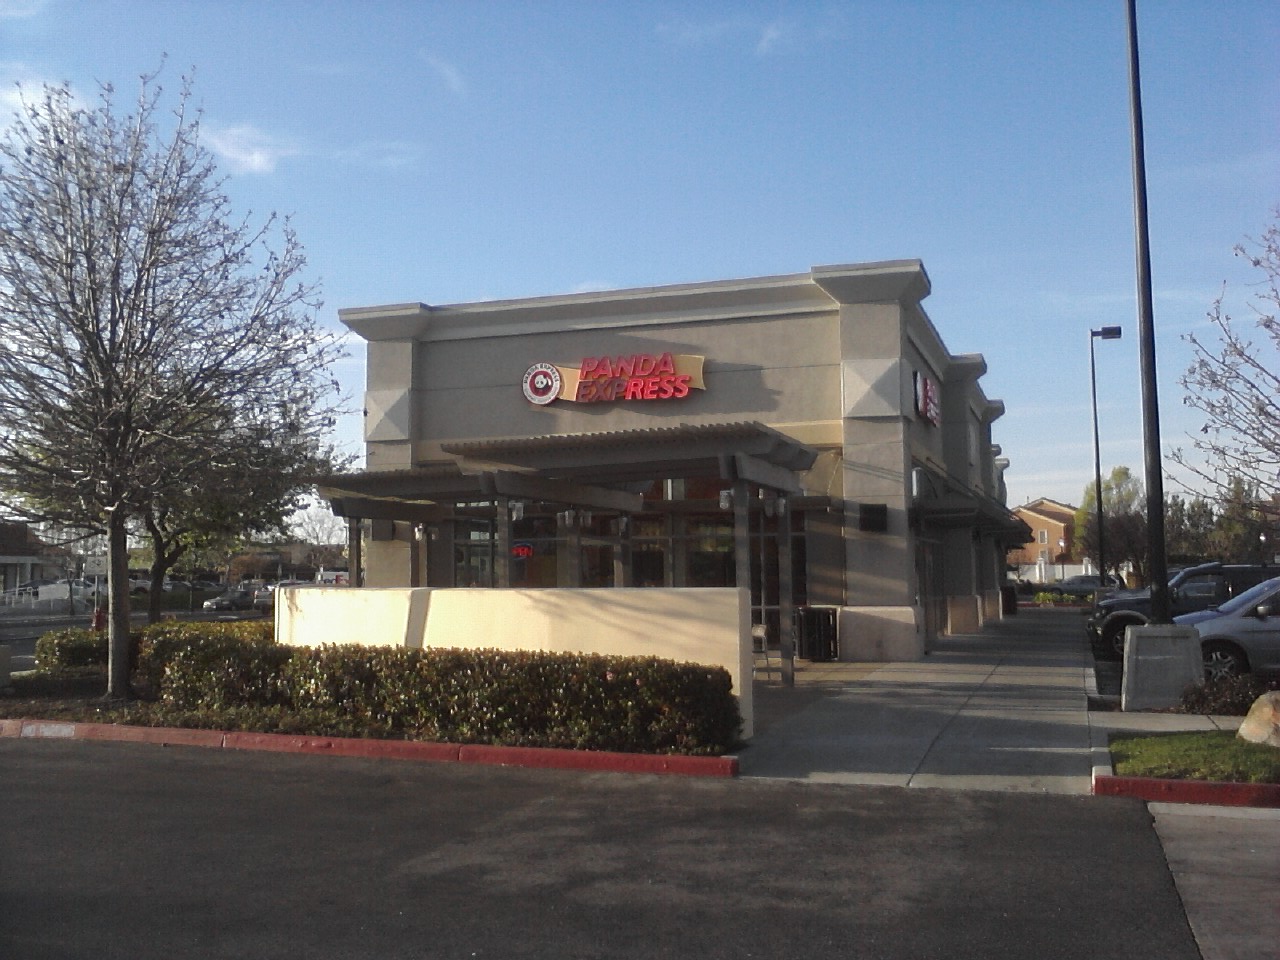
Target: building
point(808, 435)
point(24, 556)
point(1051, 550)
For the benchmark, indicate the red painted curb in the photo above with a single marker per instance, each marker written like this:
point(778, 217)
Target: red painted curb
point(165, 736)
point(420, 750)
point(342, 746)
point(1189, 791)
point(550, 758)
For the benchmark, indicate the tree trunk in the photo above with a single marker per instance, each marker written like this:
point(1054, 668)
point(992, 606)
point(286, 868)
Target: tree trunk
point(118, 687)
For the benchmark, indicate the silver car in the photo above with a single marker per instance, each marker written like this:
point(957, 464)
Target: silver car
point(1241, 636)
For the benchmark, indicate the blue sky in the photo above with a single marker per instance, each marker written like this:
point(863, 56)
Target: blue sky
point(458, 151)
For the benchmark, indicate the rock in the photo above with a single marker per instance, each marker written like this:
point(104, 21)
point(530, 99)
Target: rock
point(1262, 724)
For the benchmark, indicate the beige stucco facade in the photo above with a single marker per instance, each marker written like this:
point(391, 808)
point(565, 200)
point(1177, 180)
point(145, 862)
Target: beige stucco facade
point(894, 519)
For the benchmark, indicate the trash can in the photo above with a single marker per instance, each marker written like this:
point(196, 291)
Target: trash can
point(818, 640)
point(1008, 599)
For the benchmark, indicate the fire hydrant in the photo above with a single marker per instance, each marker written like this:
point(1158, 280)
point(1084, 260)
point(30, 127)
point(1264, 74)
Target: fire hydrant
point(99, 621)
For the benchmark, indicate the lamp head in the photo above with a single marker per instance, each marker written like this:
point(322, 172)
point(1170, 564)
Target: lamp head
point(1106, 333)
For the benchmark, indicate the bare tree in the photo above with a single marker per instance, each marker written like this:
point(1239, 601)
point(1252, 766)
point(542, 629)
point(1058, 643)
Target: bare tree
point(149, 337)
point(325, 534)
point(1234, 381)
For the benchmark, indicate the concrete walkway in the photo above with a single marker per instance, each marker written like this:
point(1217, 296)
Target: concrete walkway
point(1003, 710)
point(1008, 710)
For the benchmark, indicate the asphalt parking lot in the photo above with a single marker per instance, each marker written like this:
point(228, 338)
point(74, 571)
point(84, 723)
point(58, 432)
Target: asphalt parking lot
point(125, 850)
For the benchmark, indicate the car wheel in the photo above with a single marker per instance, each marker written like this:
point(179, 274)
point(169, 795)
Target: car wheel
point(1222, 660)
point(1113, 640)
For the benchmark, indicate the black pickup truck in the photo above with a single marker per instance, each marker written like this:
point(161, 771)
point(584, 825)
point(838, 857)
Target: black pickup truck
point(1190, 589)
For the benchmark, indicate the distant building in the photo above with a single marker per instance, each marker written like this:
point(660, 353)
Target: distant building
point(24, 556)
point(1051, 549)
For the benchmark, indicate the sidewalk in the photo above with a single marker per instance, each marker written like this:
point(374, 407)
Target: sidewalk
point(1005, 709)
point(1008, 709)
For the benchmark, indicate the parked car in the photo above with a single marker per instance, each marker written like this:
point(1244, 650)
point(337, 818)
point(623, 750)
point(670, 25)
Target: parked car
point(231, 600)
point(83, 588)
point(265, 598)
point(1242, 635)
point(1082, 585)
point(33, 586)
point(1190, 589)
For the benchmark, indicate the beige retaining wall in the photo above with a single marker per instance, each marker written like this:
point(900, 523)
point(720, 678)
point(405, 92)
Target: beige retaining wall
point(695, 625)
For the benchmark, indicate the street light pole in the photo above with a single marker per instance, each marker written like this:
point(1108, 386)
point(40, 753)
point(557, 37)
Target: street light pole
point(1105, 333)
point(1157, 559)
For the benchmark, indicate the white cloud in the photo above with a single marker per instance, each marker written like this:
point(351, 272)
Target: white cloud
point(1227, 172)
point(247, 149)
point(765, 39)
point(386, 155)
point(591, 286)
point(21, 9)
point(448, 73)
point(770, 36)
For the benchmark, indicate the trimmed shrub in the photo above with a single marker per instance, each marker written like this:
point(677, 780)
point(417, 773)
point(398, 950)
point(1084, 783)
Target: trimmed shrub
point(234, 676)
point(71, 648)
point(160, 643)
point(515, 698)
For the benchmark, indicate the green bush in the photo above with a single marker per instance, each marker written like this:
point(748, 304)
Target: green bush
point(202, 666)
point(71, 648)
point(161, 642)
point(514, 698)
point(522, 698)
point(1223, 696)
point(234, 676)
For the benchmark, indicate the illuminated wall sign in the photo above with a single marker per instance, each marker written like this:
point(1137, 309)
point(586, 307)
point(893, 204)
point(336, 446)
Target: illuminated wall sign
point(928, 403)
point(639, 376)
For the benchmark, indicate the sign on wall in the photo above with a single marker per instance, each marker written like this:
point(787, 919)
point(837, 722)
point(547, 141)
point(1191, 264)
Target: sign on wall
point(639, 376)
point(928, 403)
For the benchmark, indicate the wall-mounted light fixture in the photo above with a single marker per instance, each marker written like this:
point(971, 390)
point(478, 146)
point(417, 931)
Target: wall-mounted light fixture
point(726, 499)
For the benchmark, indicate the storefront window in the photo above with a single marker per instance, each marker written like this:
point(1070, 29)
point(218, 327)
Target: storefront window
point(707, 548)
point(649, 564)
point(597, 565)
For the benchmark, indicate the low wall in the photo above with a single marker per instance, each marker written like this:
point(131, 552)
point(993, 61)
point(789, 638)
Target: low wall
point(693, 625)
point(880, 634)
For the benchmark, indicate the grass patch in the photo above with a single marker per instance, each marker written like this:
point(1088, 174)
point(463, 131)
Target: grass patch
point(1216, 755)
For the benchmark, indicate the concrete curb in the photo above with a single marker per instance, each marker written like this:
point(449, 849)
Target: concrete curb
point(533, 757)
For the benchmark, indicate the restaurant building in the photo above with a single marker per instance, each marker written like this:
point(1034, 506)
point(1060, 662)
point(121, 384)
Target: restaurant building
point(807, 436)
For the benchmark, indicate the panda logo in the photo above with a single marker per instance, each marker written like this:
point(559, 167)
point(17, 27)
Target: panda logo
point(541, 383)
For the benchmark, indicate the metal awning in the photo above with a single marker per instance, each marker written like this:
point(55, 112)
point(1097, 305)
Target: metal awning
point(962, 509)
point(596, 471)
point(734, 451)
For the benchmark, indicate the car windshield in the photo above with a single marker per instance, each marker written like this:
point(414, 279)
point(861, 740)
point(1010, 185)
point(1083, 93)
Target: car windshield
point(1243, 601)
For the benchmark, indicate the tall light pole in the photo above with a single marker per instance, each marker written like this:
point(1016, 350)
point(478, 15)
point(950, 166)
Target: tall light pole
point(1105, 333)
point(1157, 559)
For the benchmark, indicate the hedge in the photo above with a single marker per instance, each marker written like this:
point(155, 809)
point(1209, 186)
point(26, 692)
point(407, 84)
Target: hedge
point(207, 674)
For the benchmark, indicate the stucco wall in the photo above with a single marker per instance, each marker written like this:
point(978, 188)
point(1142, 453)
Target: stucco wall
point(779, 370)
point(695, 625)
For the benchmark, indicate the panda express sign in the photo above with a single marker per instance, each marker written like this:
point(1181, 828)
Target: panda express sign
point(639, 376)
